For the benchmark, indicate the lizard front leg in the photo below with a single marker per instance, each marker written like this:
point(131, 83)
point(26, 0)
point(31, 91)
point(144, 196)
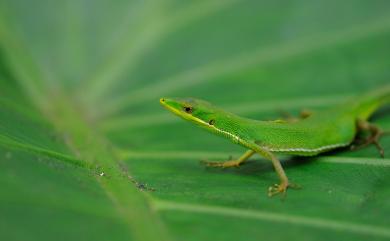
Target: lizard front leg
point(231, 163)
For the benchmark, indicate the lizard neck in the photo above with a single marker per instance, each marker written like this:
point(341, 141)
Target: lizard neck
point(233, 127)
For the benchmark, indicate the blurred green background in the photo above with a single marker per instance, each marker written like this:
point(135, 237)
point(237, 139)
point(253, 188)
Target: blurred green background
point(87, 153)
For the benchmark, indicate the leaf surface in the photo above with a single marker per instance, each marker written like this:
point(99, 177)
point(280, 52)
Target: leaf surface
point(86, 151)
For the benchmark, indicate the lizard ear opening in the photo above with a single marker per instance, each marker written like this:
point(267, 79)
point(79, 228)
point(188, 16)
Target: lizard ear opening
point(211, 122)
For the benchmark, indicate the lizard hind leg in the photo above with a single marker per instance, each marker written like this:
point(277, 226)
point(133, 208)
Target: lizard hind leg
point(303, 114)
point(230, 163)
point(375, 134)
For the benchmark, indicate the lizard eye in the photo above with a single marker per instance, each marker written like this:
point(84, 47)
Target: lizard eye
point(188, 109)
point(211, 122)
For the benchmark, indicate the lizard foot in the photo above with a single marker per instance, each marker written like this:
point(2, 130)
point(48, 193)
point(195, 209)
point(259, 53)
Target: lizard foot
point(225, 164)
point(373, 139)
point(281, 188)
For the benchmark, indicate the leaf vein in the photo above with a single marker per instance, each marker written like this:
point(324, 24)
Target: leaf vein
point(313, 222)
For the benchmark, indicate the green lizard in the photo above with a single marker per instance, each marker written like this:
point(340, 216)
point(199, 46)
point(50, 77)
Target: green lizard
point(318, 132)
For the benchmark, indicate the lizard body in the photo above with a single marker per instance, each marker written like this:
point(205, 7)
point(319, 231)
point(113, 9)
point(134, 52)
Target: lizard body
point(321, 131)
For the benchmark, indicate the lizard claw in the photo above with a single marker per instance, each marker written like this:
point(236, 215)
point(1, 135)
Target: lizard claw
point(375, 134)
point(374, 139)
point(281, 188)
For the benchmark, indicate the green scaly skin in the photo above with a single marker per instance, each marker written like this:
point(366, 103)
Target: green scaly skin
point(322, 131)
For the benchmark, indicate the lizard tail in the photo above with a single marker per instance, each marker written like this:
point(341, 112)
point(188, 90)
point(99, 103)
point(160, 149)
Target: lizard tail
point(366, 104)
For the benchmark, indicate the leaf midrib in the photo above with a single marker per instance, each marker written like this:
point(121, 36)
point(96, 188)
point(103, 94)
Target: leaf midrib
point(132, 205)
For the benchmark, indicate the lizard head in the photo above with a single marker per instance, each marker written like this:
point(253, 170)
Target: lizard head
point(208, 116)
point(198, 111)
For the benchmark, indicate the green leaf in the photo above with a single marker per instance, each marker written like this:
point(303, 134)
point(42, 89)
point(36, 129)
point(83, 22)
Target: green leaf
point(86, 151)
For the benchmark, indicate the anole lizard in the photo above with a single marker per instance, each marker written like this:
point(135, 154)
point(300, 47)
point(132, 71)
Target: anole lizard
point(318, 132)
